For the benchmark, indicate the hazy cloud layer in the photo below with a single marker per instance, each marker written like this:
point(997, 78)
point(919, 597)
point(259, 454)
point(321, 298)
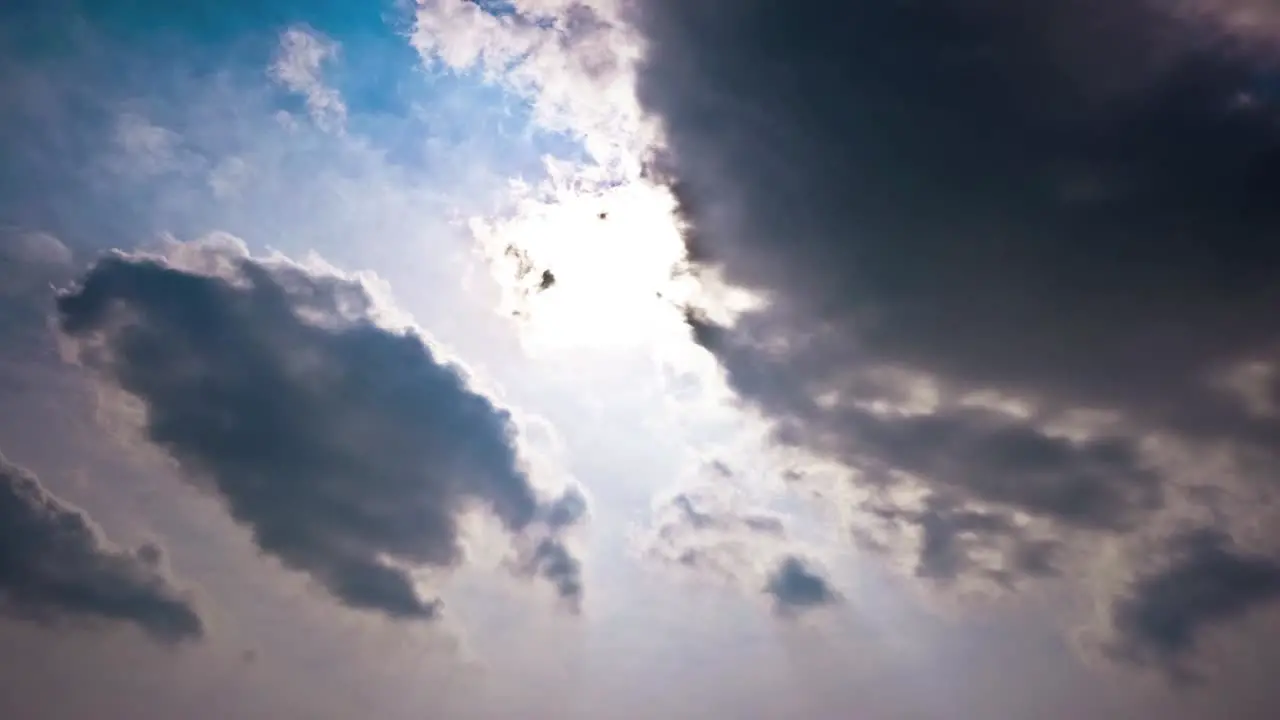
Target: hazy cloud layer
point(56, 568)
point(330, 428)
point(1014, 254)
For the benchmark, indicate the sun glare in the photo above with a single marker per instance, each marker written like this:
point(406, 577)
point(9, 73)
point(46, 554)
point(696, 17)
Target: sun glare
point(591, 266)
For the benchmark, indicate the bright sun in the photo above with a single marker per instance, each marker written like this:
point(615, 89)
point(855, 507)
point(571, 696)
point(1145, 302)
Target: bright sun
point(591, 264)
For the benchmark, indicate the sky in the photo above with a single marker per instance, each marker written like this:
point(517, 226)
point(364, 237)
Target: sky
point(470, 359)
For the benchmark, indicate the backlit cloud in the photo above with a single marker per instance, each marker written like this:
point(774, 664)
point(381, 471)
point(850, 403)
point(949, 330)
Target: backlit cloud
point(573, 59)
point(1010, 253)
point(331, 429)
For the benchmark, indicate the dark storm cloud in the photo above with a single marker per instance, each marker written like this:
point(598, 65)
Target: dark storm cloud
point(795, 586)
point(348, 449)
point(1206, 583)
point(56, 568)
point(1004, 247)
point(1062, 203)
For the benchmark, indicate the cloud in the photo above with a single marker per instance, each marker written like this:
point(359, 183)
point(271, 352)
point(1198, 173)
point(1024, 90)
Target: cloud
point(1253, 22)
point(554, 561)
point(711, 530)
point(31, 264)
point(1206, 582)
point(956, 544)
point(341, 439)
point(55, 568)
point(574, 59)
point(299, 67)
point(36, 248)
point(30, 259)
point(585, 252)
point(1009, 255)
point(796, 586)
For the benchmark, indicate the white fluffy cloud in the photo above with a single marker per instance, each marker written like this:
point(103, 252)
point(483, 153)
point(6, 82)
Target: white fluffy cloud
point(575, 60)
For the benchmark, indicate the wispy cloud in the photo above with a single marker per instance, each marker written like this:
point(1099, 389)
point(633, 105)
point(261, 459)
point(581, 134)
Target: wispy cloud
point(299, 67)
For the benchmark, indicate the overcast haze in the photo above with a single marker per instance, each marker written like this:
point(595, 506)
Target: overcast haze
point(634, 358)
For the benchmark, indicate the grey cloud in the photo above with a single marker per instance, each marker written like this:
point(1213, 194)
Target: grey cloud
point(552, 560)
point(1099, 482)
point(982, 468)
point(569, 509)
point(1207, 581)
point(1059, 205)
point(957, 543)
point(795, 586)
point(347, 447)
point(56, 568)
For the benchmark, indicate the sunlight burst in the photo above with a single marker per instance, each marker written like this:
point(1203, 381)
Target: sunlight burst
point(589, 263)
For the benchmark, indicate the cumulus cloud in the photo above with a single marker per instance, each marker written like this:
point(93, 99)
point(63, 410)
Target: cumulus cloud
point(299, 67)
point(1010, 253)
point(333, 430)
point(1206, 582)
point(56, 568)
